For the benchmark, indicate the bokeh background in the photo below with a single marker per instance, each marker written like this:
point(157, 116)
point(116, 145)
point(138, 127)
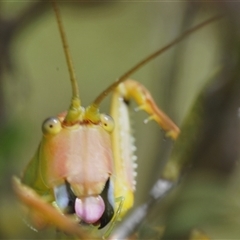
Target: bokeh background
point(106, 39)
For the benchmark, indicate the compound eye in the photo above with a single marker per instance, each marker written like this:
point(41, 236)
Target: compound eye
point(107, 122)
point(51, 126)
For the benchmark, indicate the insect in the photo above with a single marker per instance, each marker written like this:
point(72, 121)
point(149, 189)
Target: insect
point(83, 170)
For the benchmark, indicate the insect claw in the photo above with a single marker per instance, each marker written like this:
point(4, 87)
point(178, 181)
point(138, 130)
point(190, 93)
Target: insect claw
point(148, 119)
point(133, 140)
point(139, 108)
point(172, 134)
point(133, 148)
point(135, 165)
point(134, 158)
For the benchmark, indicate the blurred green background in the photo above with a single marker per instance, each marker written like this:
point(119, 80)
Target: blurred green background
point(106, 39)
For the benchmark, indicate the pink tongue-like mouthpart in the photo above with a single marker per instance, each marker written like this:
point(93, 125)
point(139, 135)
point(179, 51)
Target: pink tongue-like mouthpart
point(89, 209)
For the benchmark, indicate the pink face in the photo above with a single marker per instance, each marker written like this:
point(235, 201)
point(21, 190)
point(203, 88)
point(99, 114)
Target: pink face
point(81, 157)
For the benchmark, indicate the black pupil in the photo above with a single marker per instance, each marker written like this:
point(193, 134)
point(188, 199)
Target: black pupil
point(51, 126)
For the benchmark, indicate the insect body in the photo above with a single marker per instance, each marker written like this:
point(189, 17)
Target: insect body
point(84, 165)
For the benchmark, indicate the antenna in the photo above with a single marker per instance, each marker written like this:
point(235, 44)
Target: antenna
point(99, 99)
point(75, 107)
